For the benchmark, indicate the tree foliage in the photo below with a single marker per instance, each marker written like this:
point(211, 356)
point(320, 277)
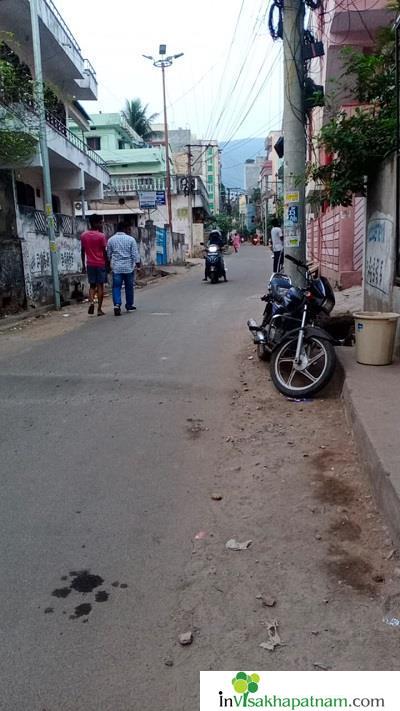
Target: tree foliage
point(222, 221)
point(358, 141)
point(17, 144)
point(138, 119)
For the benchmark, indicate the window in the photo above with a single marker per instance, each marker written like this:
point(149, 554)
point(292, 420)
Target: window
point(121, 145)
point(25, 194)
point(210, 178)
point(56, 204)
point(94, 142)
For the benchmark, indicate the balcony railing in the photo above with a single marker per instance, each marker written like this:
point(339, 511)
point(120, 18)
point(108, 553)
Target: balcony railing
point(67, 225)
point(131, 185)
point(63, 24)
point(52, 120)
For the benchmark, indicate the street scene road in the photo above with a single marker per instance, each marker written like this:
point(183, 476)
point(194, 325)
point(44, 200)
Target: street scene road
point(132, 450)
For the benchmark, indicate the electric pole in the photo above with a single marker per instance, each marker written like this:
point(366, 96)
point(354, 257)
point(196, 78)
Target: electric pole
point(190, 202)
point(44, 152)
point(294, 134)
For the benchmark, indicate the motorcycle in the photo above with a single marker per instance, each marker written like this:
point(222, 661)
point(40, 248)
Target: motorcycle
point(215, 267)
point(301, 352)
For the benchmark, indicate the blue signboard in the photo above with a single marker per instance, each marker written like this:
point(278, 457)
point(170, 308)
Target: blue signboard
point(160, 197)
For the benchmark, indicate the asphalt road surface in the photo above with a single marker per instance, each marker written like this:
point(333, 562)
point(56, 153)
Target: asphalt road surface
point(114, 437)
point(102, 471)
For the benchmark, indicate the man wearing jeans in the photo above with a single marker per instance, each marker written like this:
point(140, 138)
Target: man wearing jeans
point(123, 254)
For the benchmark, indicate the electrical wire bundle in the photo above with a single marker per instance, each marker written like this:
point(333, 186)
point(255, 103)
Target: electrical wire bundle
point(275, 19)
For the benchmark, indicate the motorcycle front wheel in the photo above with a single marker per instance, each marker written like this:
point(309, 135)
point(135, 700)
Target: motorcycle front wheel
point(317, 366)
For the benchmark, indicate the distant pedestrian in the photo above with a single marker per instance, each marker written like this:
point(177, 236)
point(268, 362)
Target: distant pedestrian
point(94, 261)
point(123, 254)
point(236, 242)
point(277, 245)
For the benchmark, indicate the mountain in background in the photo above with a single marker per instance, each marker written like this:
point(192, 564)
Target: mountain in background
point(234, 157)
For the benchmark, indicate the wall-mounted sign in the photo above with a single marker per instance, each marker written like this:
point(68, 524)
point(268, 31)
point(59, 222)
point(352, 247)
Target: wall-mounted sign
point(160, 197)
point(293, 196)
point(292, 237)
point(147, 200)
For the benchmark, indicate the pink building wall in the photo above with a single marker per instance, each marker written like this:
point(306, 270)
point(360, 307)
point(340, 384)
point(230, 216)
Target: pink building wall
point(336, 237)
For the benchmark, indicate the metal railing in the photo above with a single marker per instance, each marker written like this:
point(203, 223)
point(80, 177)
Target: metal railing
point(63, 224)
point(89, 67)
point(58, 125)
point(63, 24)
point(134, 185)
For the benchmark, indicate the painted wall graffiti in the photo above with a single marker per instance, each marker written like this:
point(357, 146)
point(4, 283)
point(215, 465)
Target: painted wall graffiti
point(68, 250)
point(378, 258)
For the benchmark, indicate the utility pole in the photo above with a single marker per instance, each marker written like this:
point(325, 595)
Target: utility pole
point(44, 152)
point(167, 167)
point(294, 134)
point(162, 63)
point(190, 201)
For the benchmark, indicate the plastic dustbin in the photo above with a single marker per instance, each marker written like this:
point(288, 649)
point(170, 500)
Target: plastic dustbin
point(375, 335)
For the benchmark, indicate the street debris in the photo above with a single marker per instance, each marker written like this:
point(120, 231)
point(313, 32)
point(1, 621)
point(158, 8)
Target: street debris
point(66, 315)
point(316, 665)
point(216, 497)
point(200, 535)
point(274, 639)
point(168, 662)
point(233, 545)
point(391, 610)
point(266, 600)
point(299, 399)
point(391, 554)
point(250, 358)
point(185, 638)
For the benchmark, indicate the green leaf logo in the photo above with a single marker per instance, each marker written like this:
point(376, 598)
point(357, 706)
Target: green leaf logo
point(245, 684)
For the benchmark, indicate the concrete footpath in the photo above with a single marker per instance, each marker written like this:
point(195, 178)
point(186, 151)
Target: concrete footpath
point(371, 396)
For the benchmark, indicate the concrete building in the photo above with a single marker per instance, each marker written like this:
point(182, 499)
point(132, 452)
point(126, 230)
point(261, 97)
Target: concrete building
point(252, 169)
point(270, 180)
point(336, 235)
point(138, 174)
point(24, 247)
point(179, 138)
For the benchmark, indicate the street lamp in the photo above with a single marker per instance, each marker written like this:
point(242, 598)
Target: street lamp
point(162, 63)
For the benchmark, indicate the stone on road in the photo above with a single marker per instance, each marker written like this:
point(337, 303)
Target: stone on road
point(115, 434)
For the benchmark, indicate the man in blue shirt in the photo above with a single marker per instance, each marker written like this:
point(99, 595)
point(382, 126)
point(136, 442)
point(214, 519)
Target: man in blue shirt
point(123, 253)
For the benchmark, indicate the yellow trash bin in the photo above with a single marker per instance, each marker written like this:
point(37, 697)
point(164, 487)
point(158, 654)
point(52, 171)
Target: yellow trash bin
point(375, 336)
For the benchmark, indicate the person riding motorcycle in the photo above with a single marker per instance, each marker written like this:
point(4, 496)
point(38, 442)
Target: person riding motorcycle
point(215, 237)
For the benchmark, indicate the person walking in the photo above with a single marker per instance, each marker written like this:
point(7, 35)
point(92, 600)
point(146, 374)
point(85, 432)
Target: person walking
point(94, 262)
point(277, 245)
point(123, 253)
point(236, 242)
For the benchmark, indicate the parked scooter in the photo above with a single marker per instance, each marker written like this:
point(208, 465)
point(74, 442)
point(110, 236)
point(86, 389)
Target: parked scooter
point(302, 354)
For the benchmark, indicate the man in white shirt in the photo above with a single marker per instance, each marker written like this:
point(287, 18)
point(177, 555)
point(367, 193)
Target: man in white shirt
point(123, 253)
point(277, 245)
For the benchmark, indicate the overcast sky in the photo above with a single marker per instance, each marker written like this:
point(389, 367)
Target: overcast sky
point(200, 86)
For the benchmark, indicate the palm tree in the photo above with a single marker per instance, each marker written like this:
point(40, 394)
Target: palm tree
point(136, 115)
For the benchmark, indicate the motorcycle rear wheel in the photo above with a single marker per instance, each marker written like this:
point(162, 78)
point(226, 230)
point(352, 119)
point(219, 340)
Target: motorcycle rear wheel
point(214, 278)
point(306, 382)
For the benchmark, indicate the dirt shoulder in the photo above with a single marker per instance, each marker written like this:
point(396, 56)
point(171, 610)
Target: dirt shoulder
point(321, 563)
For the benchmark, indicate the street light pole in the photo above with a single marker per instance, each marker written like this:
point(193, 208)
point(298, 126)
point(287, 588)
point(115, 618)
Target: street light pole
point(44, 152)
point(162, 63)
point(168, 168)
